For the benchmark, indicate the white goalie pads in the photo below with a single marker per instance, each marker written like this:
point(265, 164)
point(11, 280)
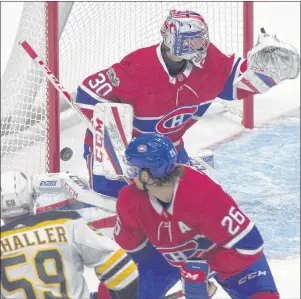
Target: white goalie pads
point(53, 188)
point(270, 61)
point(113, 126)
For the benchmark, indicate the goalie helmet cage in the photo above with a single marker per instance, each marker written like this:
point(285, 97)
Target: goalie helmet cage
point(76, 39)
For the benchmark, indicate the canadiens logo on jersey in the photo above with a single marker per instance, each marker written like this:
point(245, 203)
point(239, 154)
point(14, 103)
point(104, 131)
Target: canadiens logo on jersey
point(176, 119)
point(190, 249)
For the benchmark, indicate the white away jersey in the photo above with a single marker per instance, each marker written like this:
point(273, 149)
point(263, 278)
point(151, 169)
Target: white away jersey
point(45, 255)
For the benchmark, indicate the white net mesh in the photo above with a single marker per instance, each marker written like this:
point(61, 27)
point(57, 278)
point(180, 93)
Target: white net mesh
point(24, 98)
point(93, 35)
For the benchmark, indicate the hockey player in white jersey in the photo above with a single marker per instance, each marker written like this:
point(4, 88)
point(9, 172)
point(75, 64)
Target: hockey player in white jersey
point(43, 255)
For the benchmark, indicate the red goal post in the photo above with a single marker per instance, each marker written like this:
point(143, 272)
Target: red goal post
point(248, 25)
point(78, 38)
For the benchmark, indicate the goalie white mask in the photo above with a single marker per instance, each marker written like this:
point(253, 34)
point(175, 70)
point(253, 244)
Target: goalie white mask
point(17, 197)
point(186, 35)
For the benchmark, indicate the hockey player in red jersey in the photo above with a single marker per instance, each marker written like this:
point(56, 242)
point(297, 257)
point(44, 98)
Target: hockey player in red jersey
point(172, 84)
point(190, 221)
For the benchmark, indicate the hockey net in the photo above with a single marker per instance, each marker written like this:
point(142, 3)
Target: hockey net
point(92, 36)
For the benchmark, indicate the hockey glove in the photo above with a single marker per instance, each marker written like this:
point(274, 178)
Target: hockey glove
point(270, 61)
point(194, 276)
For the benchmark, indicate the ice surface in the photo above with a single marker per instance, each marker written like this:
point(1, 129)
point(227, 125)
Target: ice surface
point(261, 170)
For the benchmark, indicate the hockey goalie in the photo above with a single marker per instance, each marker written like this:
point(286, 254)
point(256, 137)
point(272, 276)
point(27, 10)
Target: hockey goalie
point(171, 85)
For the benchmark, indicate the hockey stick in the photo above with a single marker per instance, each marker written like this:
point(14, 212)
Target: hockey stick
point(66, 95)
point(55, 82)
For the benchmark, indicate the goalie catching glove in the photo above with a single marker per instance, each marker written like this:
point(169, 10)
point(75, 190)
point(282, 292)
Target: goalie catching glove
point(270, 61)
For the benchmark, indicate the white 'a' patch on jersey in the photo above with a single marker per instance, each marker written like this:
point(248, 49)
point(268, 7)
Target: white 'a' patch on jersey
point(183, 227)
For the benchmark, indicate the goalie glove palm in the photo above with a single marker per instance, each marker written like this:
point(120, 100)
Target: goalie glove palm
point(273, 57)
point(269, 62)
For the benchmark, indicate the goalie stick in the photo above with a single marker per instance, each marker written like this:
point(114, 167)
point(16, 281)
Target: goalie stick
point(67, 97)
point(55, 82)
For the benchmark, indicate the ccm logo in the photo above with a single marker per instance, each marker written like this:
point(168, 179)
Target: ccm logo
point(70, 191)
point(79, 182)
point(251, 276)
point(47, 183)
point(193, 277)
point(98, 148)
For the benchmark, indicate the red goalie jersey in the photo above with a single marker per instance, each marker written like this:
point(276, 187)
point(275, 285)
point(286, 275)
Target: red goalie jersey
point(162, 103)
point(201, 217)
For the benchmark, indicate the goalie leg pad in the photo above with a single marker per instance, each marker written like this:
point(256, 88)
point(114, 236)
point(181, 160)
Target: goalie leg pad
point(103, 185)
point(113, 126)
